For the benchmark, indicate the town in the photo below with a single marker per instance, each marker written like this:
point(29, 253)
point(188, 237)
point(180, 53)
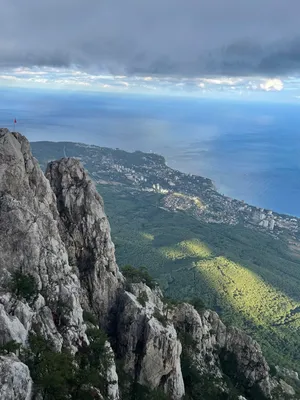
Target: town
point(196, 195)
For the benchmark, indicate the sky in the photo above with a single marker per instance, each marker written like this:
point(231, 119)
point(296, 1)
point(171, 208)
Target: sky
point(178, 47)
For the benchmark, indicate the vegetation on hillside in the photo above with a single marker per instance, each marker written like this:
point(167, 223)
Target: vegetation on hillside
point(251, 279)
point(83, 375)
point(62, 375)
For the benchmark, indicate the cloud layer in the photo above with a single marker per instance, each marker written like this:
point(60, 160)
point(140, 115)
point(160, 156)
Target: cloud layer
point(153, 38)
point(68, 78)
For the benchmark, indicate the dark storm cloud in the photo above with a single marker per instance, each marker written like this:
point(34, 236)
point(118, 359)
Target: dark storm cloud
point(163, 37)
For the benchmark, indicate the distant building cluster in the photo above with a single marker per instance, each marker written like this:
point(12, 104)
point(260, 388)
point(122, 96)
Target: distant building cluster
point(148, 172)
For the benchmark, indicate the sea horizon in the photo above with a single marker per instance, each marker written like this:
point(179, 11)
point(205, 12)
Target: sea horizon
point(250, 150)
point(214, 183)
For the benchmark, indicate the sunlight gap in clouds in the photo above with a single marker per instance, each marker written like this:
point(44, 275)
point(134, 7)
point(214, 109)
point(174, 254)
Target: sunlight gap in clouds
point(272, 84)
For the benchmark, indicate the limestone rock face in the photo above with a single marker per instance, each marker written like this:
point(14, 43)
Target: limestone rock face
point(34, 240)
point(207, 333)
point(148, 342)
point(85, 231)
point(289, 390)
point(244, 357)
point(112, 377)
point(216, 350)
point(15, 380)
point(30, 242)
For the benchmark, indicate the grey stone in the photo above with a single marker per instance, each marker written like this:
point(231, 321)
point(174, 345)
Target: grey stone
point(85, 230)
point(15, 380)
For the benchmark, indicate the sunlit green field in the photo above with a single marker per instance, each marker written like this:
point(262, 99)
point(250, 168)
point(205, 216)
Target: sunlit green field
point(251, 279)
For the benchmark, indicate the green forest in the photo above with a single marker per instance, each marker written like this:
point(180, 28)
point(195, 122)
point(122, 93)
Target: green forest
point(251, 279)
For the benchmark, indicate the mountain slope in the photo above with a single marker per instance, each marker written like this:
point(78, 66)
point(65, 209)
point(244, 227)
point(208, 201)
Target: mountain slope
point(73, 327)
point(198, 243)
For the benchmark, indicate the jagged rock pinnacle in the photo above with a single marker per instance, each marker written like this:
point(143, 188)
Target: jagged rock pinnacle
point(86, 233)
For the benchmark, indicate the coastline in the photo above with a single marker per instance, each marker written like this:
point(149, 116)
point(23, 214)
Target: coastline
point(150, 172)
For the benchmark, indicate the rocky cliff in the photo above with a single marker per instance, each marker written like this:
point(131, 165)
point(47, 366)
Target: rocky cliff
point(85, 230)
point(30, 242)
point(60, 288)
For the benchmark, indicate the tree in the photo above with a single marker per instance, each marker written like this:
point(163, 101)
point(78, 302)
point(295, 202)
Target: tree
point(10, 347)
point(137, 275)
point(198, 304)
point(52, 372)
point(24, 286)
point(90, 317)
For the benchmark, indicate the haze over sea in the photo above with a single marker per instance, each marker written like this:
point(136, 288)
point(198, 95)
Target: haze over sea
point(251, 150)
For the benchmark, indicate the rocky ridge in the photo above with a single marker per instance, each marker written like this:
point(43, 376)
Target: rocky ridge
point(55, 230)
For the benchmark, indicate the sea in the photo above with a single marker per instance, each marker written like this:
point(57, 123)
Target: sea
point(250, 149)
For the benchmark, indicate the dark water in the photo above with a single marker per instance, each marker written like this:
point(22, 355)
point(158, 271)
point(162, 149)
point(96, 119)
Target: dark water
point(251, 150)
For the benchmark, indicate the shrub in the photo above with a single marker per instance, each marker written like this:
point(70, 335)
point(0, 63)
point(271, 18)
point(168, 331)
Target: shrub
point(61, 309)
point(134, 391)
point(161, 318)
point(97, 350)
point(125, 380)
point(93, 362)
point(51, 372)
point(142, 298)
point(187, 340)
point(142, 392)
point(199, 385)
point(10, 347)
point(137, 275)
point(24, 286)
point(198, 304)
point(62, 376)
point(273, 371)
point(171, 302)
point(90, 317)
